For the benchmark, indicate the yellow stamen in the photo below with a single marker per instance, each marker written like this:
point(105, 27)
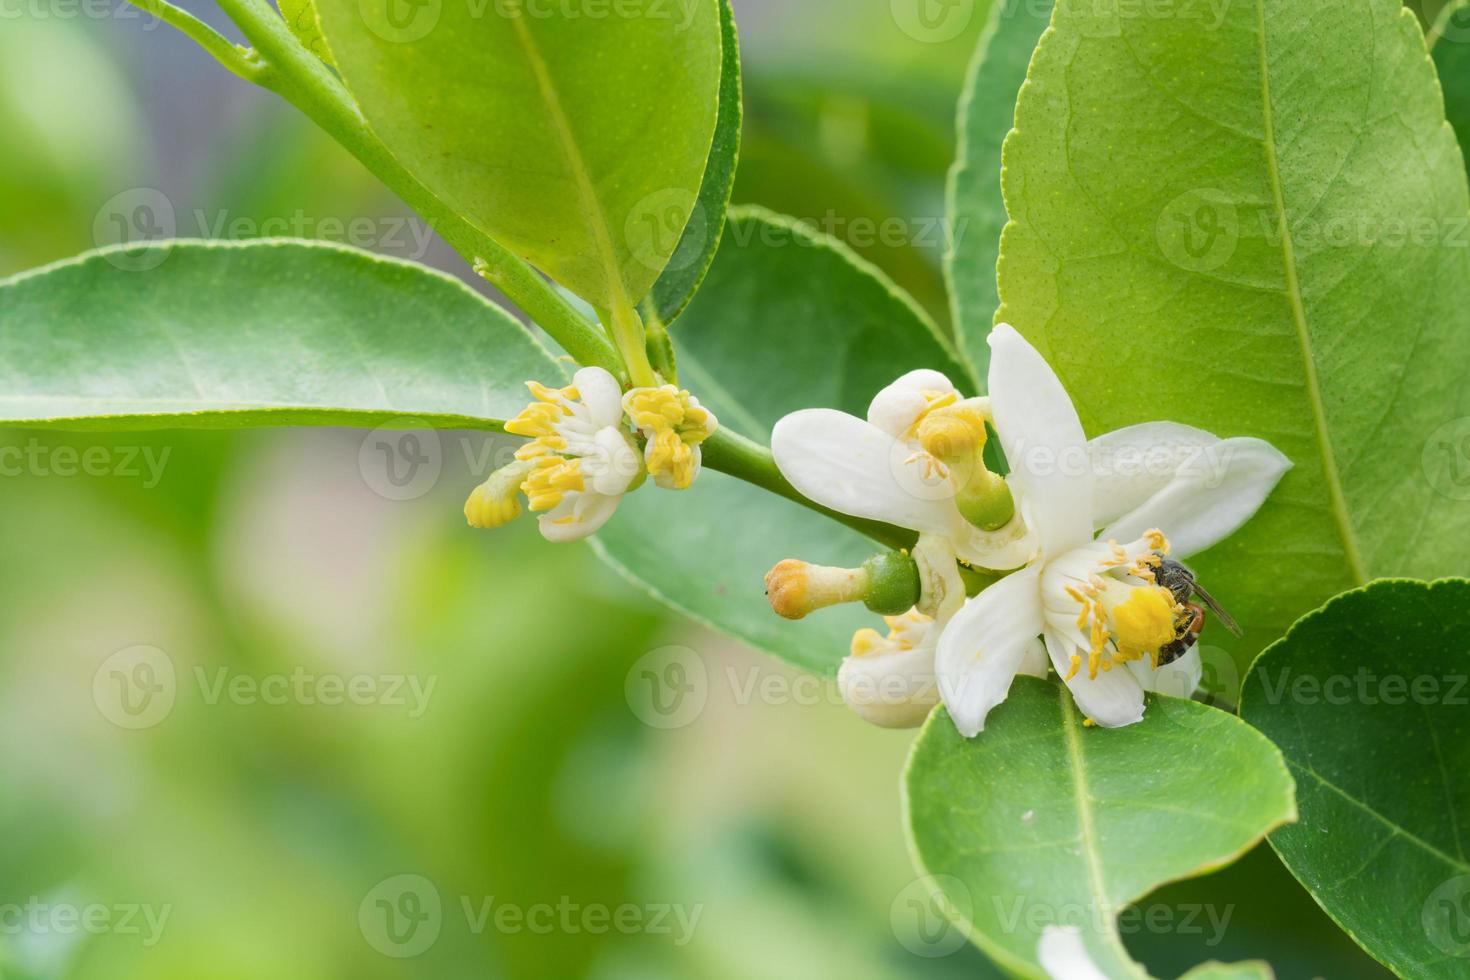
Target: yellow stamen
point(551, 478)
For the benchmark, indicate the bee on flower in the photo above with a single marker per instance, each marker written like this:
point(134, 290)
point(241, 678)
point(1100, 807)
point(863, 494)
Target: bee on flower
point(1090, 603)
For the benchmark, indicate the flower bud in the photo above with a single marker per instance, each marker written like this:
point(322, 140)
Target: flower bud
point(887, 584)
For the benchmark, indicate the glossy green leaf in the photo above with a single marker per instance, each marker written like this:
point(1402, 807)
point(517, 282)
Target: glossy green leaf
point(787, 319)
point(702, 227)
point(1042, 821)
point(977, 212)
point(300, 17)
point(567, 132)
point(1369, 701)
point(207, 335)
point(1255, 220)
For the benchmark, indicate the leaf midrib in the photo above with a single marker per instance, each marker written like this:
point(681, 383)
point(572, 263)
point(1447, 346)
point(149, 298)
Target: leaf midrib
point(1351, 549)
point(576, 165)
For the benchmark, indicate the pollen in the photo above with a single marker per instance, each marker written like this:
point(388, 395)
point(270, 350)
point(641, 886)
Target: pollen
point(551, 478)
point(1145, 622)
point(668, 454)
point(867, 643)
point(1157, 541)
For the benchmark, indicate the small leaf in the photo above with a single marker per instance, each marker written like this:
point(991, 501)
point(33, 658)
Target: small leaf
point(1367, 698)
point(1041, 821)
point(300, 17)
point(977, 211)
point(1283, 254)
point(787, 319)
point(706, 223)
point(565, 133)
point(207, 335)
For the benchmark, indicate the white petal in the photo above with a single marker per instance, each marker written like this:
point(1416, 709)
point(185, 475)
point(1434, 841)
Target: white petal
point(612, 464)
point(1131, 465)
point(1179, 679)
point(601, 394)
point(896, 408)
point(1034, 661)
point(891, 690)
point(1063, 955)
point(858, 469)
point(577, 516)
point(1114, 699)
point(983, 647)
point(1043, 442)
point(1210, 499)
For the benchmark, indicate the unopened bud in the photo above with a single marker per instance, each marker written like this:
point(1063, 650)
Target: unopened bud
point(496, 502)
point(887, 584)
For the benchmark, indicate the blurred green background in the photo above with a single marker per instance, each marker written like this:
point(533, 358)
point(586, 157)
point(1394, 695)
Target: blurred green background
point(157, 824)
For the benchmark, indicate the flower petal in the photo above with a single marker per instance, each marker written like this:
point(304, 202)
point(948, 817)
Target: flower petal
point(601, 394)
point(896, 408)
point(1131, 465)
point(1179, 679)
point(1114, 699)
point(1210, 499)
point(857, 469)
point(983, 647)
point(1034, 661)
point(891, 690)
point(577, 516)
point(1043, 442)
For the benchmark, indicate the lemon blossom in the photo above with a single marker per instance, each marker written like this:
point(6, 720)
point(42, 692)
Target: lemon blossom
point(1094, 600)
point(908, 464)
point(583, 457)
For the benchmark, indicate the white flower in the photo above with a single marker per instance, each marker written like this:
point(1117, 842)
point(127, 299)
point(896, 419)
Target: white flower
point(577, 466)
point(880, 469)
point(1094, 601)
point(674, 425)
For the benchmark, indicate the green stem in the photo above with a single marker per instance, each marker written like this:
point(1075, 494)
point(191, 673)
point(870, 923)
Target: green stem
point(632, 342)
point(737, 456)
point(301, 78)
point(241, 61)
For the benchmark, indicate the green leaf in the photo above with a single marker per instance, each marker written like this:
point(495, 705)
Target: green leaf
point(1367, 698)
point(196, 335)
point(1231, 971)
point(787, 319)
point(700, 229)
point(300, 17)
point(1450, 44)
point(1041, 821)
point(976, 210)
point(1258, 225)
point(565, 132)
